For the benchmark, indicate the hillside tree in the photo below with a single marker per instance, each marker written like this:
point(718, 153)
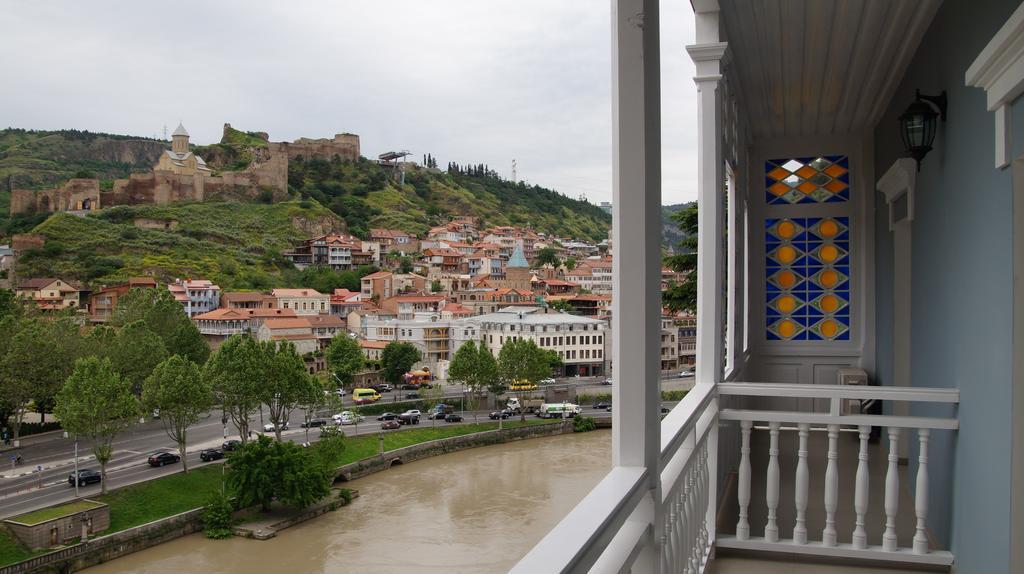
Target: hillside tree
point(547, 256)
point(97, 404)
point(136, 352)
point(177, 388)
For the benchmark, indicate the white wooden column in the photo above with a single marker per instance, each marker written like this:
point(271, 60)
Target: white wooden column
point(707, 55)
point(636, 235)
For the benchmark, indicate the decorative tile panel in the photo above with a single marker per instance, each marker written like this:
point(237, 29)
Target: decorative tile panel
point(807, 277)
point(807, 180)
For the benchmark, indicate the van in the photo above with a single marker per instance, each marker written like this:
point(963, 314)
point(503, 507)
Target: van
point(365, 396)
point(521, 385)
point(558, 410)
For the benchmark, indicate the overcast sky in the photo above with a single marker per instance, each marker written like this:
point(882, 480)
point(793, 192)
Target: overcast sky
point(472, 81)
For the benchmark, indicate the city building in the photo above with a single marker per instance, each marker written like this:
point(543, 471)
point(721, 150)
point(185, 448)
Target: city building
point(669, 345)
point(344, 302)
point(405, 306)
point(296, 330)
point(103, 301)
point(579, 341)
point(303, 301)
point(326, 327)
point(247, 300)
point(50, 293)
point(437, 339)
point(179, 159)
point(372, 349)
point(217, 325)
point(197, 296)
point(339, 252)
point(394, 241)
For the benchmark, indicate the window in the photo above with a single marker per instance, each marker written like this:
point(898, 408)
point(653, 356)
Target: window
point(807, 180)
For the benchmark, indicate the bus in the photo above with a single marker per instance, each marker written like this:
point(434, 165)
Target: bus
point(558, 410)
point(365, 396)
point(521, 385)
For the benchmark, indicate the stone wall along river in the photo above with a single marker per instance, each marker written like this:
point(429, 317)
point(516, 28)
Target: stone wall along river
point(478, 510)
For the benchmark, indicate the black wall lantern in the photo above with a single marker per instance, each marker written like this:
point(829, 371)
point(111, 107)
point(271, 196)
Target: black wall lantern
point(917, 124)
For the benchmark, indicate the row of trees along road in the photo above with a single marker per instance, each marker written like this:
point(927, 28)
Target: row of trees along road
point(345, 359)
point(519, 361)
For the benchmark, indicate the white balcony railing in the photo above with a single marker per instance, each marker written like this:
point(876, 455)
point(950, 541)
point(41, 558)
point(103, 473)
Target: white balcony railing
point(617, 527)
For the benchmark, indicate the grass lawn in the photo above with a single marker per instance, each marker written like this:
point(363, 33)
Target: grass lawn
point(147, 501)
point(11, 551)
point(358, 448)
point(44, 514)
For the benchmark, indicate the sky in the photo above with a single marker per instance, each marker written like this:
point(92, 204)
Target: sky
point(470, 81)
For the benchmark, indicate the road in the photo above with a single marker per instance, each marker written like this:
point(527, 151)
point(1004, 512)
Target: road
point(24, 488)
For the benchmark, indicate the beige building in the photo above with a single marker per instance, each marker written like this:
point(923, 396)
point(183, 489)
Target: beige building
point(303, 301)
point(179, 159)
point(296, 330)
point(50, 293)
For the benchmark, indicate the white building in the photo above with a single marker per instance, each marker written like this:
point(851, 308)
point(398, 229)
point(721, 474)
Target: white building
point(197, 296)
point(436, 338)
point(581, 342)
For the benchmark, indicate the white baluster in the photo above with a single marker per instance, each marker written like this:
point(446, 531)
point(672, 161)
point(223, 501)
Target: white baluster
point(802, 479)
point(687, 520)
point(703, 507)
point(892, 492)
point(743, 488)
point(771, 528)
point(694, 565)
point(860, 495)
point(921, 496)
point(666, 541)
point(680, 554)
point(828, 535)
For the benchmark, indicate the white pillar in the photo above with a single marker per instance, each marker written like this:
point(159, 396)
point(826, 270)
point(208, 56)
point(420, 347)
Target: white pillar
point(743, 485)
point(707, 55)
point(921, 494)
point(636, 234)
point(860, 495)
point(892, 492)
point(800, 486)
point(828, 535)
point(771, 528)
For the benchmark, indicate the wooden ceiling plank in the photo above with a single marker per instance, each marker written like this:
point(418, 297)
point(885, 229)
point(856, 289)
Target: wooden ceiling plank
point(817, 49)
point(872, 33)
point(845, 27)
point(793, 33)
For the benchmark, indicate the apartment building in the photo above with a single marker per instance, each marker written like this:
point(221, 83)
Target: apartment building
point(197, 296)
point(303, 301)
point(581, 342)
point(103, 301)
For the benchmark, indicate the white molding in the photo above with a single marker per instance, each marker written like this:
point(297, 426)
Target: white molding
point(999, 70)
point(900, 179)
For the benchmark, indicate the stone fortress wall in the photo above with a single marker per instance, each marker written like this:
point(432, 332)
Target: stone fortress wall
point(268, 172)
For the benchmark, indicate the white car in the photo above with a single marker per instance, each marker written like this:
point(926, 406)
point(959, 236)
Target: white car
point(412, 413)
point(686, 373)
point(547, 381)
point(340, 392)
point(346, 418)
point(269, 427)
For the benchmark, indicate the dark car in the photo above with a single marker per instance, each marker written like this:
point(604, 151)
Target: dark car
point(603, 405)
point(390, 424)
point(388, 417)
point(412, 395)
point(453, 418)
point(495, 415)
point(208, 454)
point(230, 445)
point(426, 386)
point(665, 409)
point(314, 423)
point(85, 476)
point(408, 419)
point(410, 387)
point(162, 458)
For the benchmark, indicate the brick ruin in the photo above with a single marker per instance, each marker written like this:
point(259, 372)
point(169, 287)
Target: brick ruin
point(267, 173)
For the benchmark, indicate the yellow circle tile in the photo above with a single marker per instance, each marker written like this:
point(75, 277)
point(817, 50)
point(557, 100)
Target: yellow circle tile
point(785, 304)
point(786, 254)
point(828, 253)
point(785, 229)
point(828, 228)
point(787, 328)
point(828, 278)
point(828, 328)
point(829, 303)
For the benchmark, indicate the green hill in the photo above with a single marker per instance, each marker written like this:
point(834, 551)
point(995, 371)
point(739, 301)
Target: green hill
point(237, 245)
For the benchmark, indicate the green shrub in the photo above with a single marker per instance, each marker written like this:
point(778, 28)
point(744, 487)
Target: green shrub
point(673, 395)
point(583, 424)
point(591, 399)
point(389, 407)
point(36, 428)
point(346, 495)
point(217, 519)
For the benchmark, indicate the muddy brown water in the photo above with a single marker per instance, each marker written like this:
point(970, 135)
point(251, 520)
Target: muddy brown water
point(478, 510)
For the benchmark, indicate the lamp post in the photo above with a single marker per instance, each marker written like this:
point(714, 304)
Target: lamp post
point(76, 466)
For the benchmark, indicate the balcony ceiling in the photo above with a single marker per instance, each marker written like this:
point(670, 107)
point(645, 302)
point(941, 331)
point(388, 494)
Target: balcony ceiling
point(810, 67)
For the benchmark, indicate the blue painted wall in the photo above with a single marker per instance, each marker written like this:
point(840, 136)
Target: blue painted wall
point(962, 286)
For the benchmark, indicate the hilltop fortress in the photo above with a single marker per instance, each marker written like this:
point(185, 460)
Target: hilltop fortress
point(181, 175)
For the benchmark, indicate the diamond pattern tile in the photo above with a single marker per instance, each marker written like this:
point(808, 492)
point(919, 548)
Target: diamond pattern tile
point(824, 179)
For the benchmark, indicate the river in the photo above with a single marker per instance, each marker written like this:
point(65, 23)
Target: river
point(478, 510)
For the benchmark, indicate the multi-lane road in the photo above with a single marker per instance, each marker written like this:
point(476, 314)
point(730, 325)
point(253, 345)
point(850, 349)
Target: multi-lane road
point(47, 460)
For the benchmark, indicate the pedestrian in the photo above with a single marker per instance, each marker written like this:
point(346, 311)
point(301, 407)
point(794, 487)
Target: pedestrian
point(7, 439)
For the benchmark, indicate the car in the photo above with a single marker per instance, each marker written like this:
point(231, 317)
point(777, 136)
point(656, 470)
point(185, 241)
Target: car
point(163, 457)
point(409, 418)
point(412, 395)
point(664, 409)
point(606, 382)
point(156, 413)
point(383, 388)
point(410, 387)
point(686, 373)
point(603, 405)
point(230, 445)
point(269, 427)
point(426, 386)
point(347, 418)
point(413, 412)
point(547, 381)
point(390, 424)
point(313, 423)
point(208, 454)
point(388, 417)
point(340, 392)
point(437, 415)
point(495, 415)
point(453, 418)
point(85, 477)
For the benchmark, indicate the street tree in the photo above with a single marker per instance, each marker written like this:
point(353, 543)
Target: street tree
point(465, 369)
point(235, 372)
point(136, 352)
point(177, 388)
point(396, 360)
point(97, 404)
point(523, 363)
point(682, 296)
point(344, 359)
point(487, 370)
point(286, 384)
point(317, 396)
point(547, 256)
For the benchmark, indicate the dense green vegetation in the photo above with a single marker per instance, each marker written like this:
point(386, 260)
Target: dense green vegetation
point(234, 152)
point(237, 245)
point(366, 195)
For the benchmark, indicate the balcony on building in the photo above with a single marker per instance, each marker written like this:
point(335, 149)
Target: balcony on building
point(833, 248)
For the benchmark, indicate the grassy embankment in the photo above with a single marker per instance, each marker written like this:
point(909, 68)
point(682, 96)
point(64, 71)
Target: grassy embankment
point(173, 494)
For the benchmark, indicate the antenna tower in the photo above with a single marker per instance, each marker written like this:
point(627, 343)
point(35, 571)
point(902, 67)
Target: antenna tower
point(514, 178)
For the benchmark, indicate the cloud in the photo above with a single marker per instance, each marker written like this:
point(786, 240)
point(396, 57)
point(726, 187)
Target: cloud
point(467, 81)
